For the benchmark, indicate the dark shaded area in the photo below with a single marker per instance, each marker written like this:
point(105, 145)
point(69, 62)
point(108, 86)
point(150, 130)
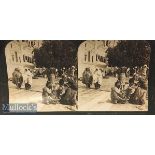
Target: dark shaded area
point(4, 93)
point(57, 53)
point(129, 53)
point(151, 84)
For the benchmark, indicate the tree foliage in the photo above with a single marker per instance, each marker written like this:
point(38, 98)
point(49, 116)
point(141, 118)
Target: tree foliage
point(129, 53)
point(57, 53)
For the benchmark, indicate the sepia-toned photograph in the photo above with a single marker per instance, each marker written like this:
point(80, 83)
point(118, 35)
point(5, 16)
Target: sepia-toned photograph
point(88, 75)
point(113, 75)
point(42, 75)
point(77, 77)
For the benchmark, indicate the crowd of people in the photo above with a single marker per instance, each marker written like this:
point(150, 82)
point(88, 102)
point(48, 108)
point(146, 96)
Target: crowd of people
point(128, 71)
point(24, 79)
point(61, 85)
point(131, 84)
point(134, 91)
point(89, 78)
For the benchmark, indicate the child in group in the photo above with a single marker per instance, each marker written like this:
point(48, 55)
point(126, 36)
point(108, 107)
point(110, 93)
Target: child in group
point(121, 79)
point(131, 89)
point(61, 89)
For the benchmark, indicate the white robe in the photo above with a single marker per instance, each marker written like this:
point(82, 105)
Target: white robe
point(27, 77)
point(97, 77)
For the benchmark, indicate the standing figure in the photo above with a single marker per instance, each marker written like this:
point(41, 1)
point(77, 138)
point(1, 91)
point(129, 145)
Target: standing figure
point(103, 73)
point(51, 75)
point(97, 78)
point(87, 77)
point(17, 78)
point(144, 72)
point(73, 71)
point(121, 79)
point(28, 79)
point(60, 90)
point(115, 71)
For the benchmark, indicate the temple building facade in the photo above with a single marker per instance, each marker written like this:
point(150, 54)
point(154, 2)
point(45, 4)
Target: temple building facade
point(19, 54)
point(93, 54)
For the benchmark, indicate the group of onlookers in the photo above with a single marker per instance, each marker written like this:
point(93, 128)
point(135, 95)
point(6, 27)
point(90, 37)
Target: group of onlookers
point(131, 85)
point(43, 72)
point(24, 79)
point(88, 78)
point(134, 91)
point(129, 71)
point(61, 86)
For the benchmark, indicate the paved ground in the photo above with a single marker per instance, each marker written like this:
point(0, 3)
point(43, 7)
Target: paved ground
point(89, 99)
point(33, 96)
point(99, 100)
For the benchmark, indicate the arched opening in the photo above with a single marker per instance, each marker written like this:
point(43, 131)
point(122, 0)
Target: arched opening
point(20, 55)
point(4, 93)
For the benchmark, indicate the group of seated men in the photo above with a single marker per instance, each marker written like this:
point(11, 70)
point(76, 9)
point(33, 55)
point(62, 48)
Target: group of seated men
point(134, 92)
point(65, 92)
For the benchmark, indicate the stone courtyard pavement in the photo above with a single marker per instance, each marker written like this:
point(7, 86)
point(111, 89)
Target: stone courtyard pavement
point(88, 99)
point(33, 96)
point(99, 100)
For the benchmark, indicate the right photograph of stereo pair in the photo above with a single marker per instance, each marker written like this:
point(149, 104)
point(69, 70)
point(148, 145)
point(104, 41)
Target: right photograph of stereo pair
point(113, 75)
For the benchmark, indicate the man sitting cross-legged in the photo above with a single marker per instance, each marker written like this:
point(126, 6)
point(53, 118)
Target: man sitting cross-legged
point(116, 95)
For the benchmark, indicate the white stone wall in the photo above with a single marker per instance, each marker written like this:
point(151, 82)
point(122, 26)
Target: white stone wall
point(93, 54)
point(19, 55)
